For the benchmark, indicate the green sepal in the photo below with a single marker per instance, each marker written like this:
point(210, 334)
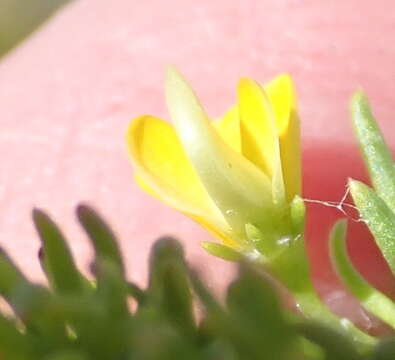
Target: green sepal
point(371, 299)
point(376, 153)
point(221, 251)
point(298, 215)
point(379, 218)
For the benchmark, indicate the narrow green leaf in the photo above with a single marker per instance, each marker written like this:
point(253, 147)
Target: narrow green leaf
point(385, 350)
point(379, 218)
point(208, 300)
point(165, 251)
point(108, 327)
point(40, 312)
point(58, 261)
point(217, 322)
point(33, 304)
point(169, 285)
point(10, 276)
point(371, 299)
point(310, 350)
point(312, 307)
point(158, 340)
point(67, 355)
point(89, 321)
point(376, 153)
point(237, 325)
point(101, 236)
point(112, 290)
point(219, 349)
point(137, 293)
point(13, 344)
point(254, 307)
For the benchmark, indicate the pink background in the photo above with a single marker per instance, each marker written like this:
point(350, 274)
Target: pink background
point(68, 93)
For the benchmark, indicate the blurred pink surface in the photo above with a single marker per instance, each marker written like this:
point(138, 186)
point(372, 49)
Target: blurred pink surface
point(68, 93)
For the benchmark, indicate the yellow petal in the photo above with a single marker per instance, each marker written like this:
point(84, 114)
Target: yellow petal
point(229, 128)
point(259, 138)
point(217, 232)
point(240, 190)
point(202, 221)
point(281, 94)
point(139, 179)
point(164, 171)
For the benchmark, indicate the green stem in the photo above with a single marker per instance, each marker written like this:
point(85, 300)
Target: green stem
point(291, 267)
point(311, 306)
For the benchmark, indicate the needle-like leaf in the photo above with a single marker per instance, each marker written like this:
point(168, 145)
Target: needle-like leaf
point(371, 299)
point(376, 153)
point(379, 218)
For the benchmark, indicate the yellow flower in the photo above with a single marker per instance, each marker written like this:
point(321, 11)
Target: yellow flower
point(230, 175)
point(239, 177)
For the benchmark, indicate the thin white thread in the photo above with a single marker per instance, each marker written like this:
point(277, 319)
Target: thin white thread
point(338, 205)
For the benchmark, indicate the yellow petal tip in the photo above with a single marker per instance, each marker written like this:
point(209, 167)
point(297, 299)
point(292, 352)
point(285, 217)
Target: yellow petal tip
point(132, 133)
point(247, 84)
point(172, 73)
point(282, 88)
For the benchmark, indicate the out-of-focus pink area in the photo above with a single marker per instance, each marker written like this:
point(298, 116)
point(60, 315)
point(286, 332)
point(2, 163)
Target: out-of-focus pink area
point(68, 93)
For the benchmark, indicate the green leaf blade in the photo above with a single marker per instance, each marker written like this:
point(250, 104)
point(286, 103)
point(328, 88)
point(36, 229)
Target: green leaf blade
point(169, 288)
point(371, 299)
point(58, 261)
point(376, 153)
point(13, 344)
point(379, 218)
point(101, 236)
point(255, 308)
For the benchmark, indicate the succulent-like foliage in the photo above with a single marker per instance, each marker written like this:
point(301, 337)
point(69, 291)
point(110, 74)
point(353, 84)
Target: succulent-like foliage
point(376, 207)
point(76, 318)
point(109, 317)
